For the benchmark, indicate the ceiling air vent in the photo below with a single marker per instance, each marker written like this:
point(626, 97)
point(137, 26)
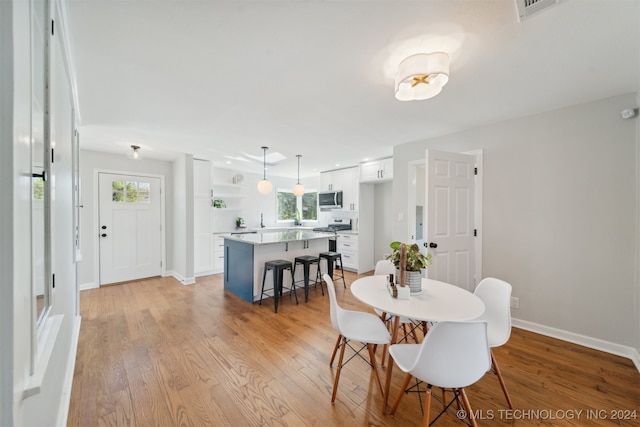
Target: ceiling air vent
point(528, 8)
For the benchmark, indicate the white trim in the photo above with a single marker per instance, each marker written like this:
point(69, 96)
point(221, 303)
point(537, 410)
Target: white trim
point(96, 218)
point(87, 286)
point(477, 211)
point(181, 279)
point(583, 340)
point(47, 336)
point(65, 399)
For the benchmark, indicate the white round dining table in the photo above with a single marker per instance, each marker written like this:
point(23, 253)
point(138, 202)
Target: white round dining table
point(438, 302)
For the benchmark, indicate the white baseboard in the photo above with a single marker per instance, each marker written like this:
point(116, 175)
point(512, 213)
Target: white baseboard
point(65, 399)
point(182, 279)
point(583, 340)
point(87, 286)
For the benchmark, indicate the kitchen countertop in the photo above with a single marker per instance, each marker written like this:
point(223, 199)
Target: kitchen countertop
point(272, 237)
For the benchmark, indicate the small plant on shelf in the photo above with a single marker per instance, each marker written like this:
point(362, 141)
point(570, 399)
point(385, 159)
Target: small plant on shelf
point(218, 203)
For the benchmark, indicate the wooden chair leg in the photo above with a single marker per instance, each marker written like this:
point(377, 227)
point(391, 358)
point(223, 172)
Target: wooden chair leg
point(496, 369)
point(335, 349)
point(374, 365)
point(405, 383)
point(427, 408)
point(335, 382)
point(467, 408)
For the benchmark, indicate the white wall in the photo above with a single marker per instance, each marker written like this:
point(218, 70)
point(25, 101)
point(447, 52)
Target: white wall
point(383, 219)
point(15, 169)
point(183, 238)
point(256, 203)
point(90, 162)
point(559, 214)
point(49, 406)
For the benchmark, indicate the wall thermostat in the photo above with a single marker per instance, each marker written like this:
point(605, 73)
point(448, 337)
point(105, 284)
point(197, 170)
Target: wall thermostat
point(629, 113)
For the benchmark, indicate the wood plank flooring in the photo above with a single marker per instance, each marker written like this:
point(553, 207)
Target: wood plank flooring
point(157, 353)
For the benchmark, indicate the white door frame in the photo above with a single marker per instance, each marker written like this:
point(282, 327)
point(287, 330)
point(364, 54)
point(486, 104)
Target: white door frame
point(411, 210)
point(96, 219)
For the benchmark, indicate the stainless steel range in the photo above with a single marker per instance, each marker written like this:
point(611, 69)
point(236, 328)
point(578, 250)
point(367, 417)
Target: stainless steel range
point(337, 224)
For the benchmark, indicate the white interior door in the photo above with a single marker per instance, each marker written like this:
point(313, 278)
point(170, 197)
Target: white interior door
point(130, 227)
point(449, 218)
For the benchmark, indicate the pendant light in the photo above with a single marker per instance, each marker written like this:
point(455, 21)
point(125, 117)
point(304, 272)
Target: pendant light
point(298, 189)
point(135, 152)
point(264, 185)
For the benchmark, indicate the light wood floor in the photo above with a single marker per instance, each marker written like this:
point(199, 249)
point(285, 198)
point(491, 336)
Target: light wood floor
point(157, 353)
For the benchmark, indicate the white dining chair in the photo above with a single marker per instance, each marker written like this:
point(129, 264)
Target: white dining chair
point(496, 295)
point(365, 328)
point(453, 355)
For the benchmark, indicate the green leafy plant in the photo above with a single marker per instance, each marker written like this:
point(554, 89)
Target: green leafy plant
point(219, 203)
point(415, 259)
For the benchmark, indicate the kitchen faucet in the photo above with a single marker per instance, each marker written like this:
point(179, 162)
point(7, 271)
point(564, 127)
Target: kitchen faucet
point(261, 223)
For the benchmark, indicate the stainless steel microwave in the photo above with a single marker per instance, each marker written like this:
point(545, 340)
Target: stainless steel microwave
point(330, 199)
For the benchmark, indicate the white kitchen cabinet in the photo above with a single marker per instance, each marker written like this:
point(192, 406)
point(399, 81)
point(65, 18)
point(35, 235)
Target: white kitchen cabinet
point(347, 245)
point(201, 178)
point(345, 180)
point(203, 259)
point(218, 253)
point(377, 170)
point(330, 181)
point(350, 188)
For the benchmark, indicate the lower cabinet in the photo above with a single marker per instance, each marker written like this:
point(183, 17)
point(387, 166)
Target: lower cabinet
point(347, 245)
point(218, 253)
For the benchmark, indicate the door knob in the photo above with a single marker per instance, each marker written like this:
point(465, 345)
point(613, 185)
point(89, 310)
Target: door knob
point(433, 245)
point(104, 234)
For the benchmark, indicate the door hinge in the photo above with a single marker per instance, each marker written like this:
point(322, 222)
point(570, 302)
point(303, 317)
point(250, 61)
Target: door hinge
point(52, 26)
point(475, 171)
point(475, 232)
point(53, 281)
point(52, 156)
point(160, 263)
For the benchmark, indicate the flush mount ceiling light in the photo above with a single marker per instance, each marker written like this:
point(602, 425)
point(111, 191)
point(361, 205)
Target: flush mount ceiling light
point(264, 185)
point(135, 153)
point(422, 76)
point(298, 189)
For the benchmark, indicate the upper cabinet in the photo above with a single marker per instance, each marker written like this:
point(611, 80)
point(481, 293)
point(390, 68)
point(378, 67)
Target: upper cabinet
point(201, 178)
point(377, 170)
point(345, 180)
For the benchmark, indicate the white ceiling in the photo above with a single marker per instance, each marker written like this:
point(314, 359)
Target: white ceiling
point(220, 79)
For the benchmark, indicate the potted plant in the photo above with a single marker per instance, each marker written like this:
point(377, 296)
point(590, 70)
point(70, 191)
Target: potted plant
point(239, 222)
point(415, 262)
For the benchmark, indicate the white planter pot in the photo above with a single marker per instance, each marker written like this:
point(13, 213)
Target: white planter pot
point(414, 280)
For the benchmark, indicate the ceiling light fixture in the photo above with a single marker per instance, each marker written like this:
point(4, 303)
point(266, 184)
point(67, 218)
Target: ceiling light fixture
point(422, 76)
point(298, 189)
point(264, 185)
point(135, 153)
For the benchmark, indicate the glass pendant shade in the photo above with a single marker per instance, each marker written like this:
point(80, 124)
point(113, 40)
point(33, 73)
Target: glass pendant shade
point(298, 190)
point(264, 186)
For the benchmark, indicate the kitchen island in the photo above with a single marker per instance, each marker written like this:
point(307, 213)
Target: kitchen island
point(246, 253)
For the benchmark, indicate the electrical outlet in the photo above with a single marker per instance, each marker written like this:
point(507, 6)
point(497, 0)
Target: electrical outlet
point(515, 302)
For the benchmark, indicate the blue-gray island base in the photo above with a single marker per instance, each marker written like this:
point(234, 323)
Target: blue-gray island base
point(245, 255)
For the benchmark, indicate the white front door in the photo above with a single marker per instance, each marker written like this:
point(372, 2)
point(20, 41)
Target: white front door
point(129, 227)
point(449, 220)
